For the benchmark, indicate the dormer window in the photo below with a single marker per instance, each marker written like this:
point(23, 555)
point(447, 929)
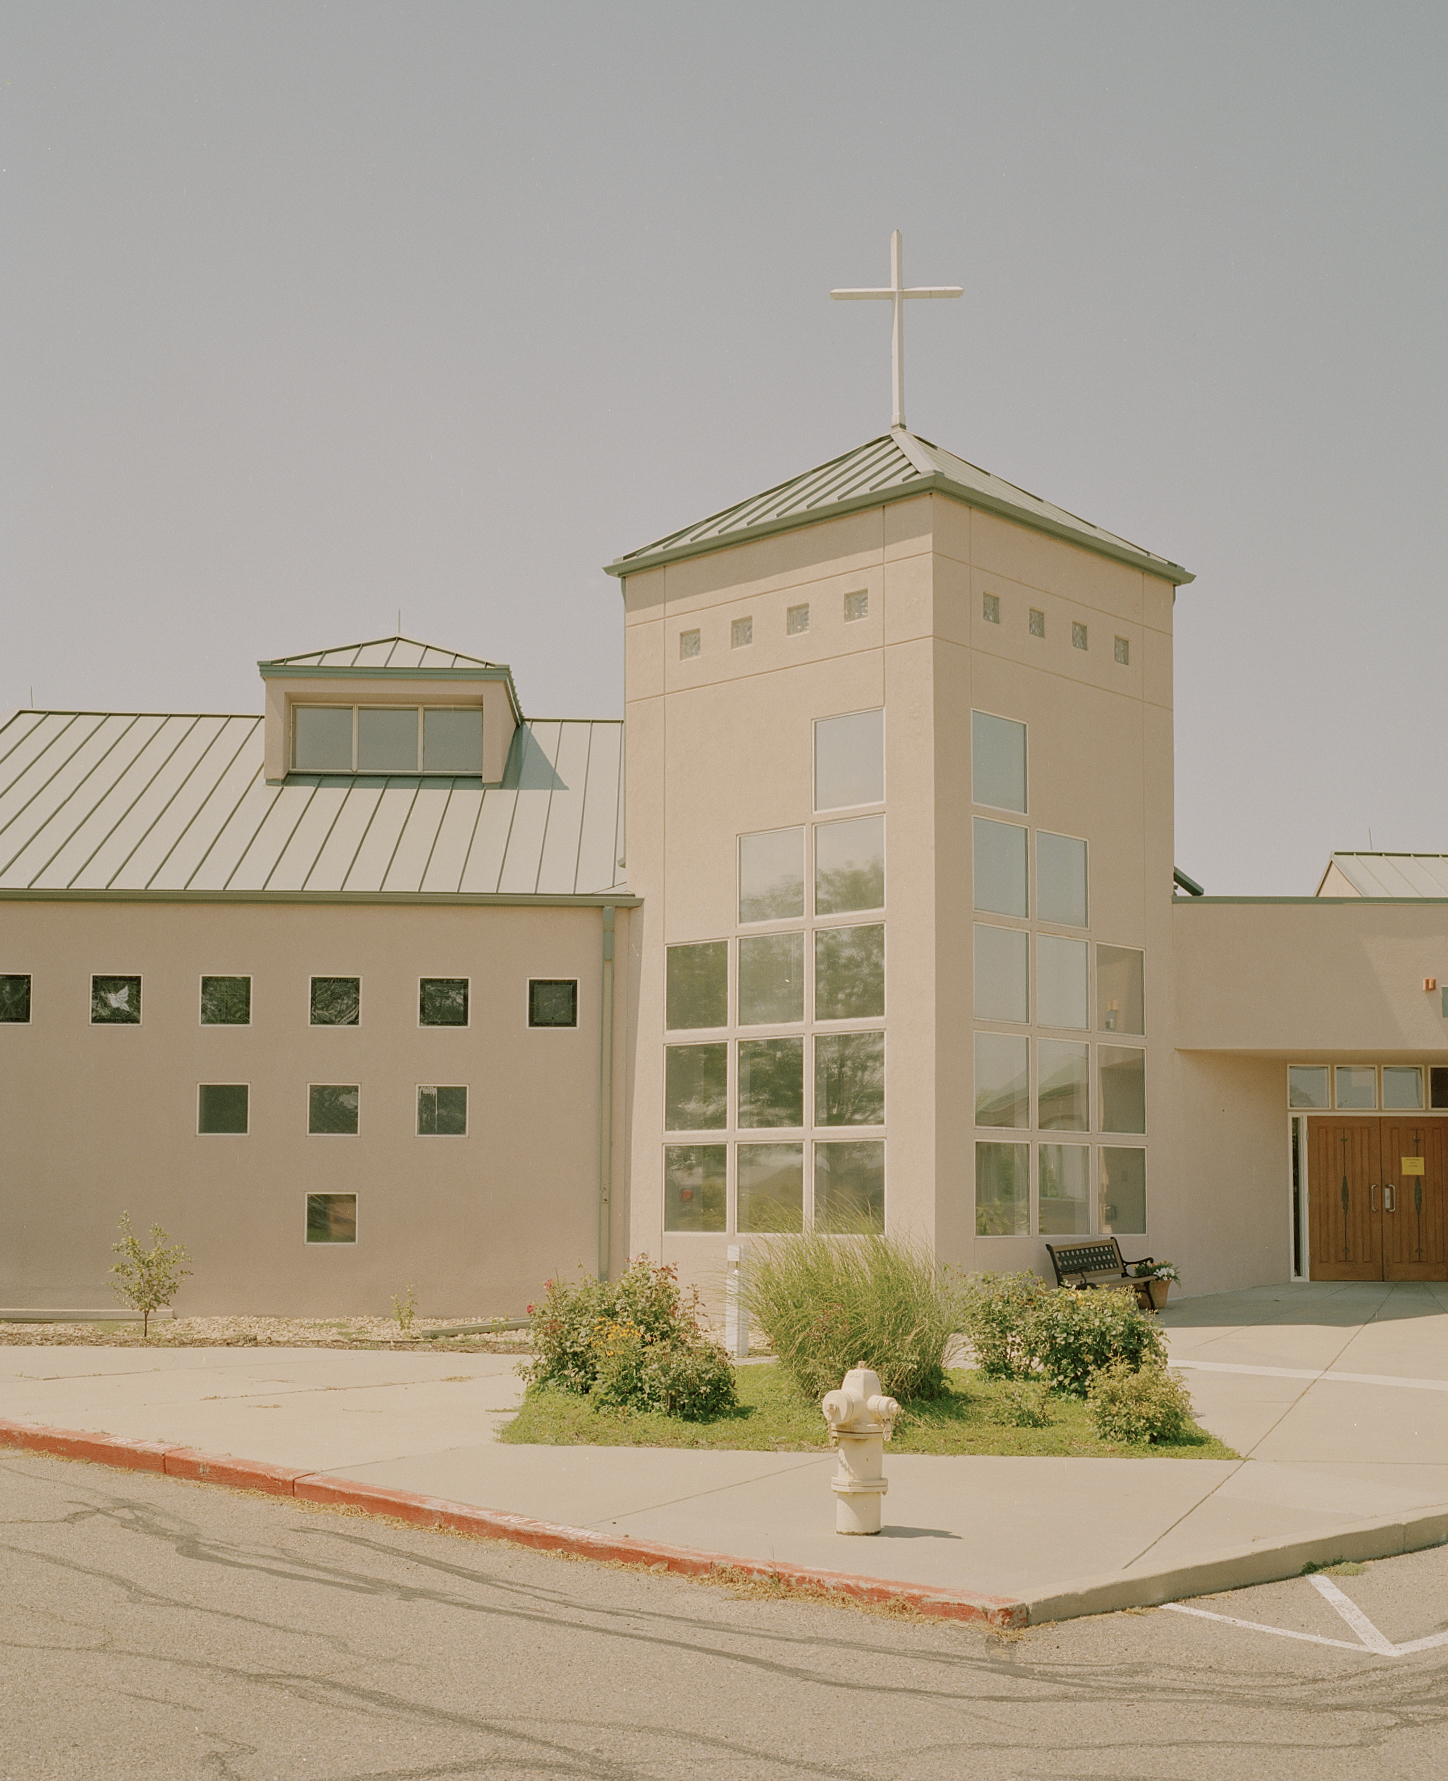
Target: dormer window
point(387, 739)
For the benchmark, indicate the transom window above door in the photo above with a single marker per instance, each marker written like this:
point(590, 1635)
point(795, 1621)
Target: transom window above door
point(387, 739)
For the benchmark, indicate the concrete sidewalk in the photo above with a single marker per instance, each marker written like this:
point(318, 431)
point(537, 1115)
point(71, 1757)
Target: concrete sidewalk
point(1337, 1396)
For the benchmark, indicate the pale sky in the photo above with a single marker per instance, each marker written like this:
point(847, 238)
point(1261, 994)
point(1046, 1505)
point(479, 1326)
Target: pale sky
point(314, 311)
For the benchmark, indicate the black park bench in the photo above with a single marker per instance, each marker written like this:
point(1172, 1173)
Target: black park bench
point(1098, 1263)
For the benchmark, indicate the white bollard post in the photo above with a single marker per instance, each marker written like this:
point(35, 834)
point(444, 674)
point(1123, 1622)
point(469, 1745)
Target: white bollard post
point(736, 1316)
point(860, 1420)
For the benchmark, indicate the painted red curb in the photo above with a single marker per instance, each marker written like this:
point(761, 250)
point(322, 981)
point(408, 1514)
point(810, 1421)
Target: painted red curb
point(495, 1524)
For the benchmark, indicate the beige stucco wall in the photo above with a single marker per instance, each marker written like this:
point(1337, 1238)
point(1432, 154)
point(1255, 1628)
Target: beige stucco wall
point(1312, 980)
point(97, 1119)
point(720, 744)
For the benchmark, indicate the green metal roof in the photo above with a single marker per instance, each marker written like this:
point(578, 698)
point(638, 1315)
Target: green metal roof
point(382, 652)
point(893, 467)
point(129, 804)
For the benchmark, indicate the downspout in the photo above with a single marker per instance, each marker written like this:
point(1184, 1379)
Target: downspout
point(605, 1096)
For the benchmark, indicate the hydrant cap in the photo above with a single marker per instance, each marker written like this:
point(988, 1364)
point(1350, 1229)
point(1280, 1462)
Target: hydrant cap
point(862, 1383)
point(841, 1407)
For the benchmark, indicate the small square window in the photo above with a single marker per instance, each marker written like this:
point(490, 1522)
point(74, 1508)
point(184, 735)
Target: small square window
point(1357, 1085)
point(553, 1002)
point(331, 1218)
point(1437, 1086)
point(1037, 622)
point(689, 645)
point(14, 1000)
point(990, 608)
point(226, 1001)
point(442, 1001)
point(332, 1108)
point(1123, 652)
point(442, 1112)
point(336, 1001)
point(856, 606)
point(741, 632)
point(796, 620)
point(1307, 1086)
point(116, 1001)
point(222, 1107)
point(1078, 636)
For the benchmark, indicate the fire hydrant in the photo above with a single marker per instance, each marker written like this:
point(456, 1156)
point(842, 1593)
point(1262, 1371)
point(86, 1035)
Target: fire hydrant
point(861, 1420)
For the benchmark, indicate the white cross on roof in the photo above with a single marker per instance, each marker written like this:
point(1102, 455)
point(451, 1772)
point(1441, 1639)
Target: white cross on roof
point(897, 293)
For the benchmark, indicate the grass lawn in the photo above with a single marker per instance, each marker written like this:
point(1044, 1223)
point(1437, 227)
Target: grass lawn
point(774, 1417)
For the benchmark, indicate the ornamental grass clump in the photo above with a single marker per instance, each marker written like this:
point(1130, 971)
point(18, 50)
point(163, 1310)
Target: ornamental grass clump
point(1138, 1405)
point(829, 1303)
point(635, 1343)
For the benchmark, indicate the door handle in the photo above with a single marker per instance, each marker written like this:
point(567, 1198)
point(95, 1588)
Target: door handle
point(1390, 1203)
point(1373, 1197)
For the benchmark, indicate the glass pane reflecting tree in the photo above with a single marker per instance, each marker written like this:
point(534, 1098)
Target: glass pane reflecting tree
point(225, 1001)
point(697, 988)
point(442, 1002)
point(116, 1001)
point(332, 1108)
point(331, 1218)
point(849, 1186)
point(771, 1082)
point(442, 1112)
point(1062, 1094)
point(771, 979)
point(849, 1079)
point(849, 973)
point(696, 1084)
point(336, 1001)
point(771, 875)
point(849, 865)
point(14, 998)
point(695, 1187)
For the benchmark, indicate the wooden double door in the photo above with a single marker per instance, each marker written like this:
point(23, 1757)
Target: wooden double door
point(1376, 1192)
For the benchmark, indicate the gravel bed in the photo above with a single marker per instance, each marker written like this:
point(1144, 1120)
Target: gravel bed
point(265, 1332)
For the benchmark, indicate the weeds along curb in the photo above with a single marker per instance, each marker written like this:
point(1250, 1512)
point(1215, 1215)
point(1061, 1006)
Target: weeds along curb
point(1004, 1613)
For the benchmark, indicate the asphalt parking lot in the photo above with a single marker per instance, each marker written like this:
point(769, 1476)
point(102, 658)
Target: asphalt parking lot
point(160, 1629)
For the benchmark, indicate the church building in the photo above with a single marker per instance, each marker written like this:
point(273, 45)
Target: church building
point(393, 984)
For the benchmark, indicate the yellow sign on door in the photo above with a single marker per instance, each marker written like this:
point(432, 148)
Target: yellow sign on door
point(1412, 1165)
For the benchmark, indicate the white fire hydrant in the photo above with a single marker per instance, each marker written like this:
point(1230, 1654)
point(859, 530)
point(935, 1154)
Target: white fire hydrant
point(861, 1420)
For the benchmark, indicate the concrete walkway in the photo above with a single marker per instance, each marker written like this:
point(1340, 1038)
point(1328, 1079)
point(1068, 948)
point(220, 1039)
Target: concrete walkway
point(1336, 1396)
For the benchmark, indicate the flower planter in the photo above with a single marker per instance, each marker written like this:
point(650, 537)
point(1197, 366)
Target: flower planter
point(1158, 1290)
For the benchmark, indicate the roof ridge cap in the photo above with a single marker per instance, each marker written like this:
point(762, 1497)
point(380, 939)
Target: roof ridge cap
point(914, 451)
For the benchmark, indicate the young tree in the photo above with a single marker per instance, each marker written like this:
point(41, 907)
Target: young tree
point(147, 1279)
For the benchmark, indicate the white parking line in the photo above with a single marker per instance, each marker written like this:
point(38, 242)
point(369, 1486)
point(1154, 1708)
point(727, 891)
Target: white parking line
point(1370, 1640)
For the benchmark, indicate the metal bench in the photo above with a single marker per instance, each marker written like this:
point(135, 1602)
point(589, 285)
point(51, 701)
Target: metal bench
point(1097, 1264)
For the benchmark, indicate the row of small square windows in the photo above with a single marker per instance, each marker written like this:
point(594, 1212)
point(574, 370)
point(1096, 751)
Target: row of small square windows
point(796, 623)
point(990, 611)
point(334, 1001)
point(333, 1108)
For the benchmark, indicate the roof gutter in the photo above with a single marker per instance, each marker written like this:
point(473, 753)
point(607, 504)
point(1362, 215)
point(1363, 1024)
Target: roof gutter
point(936, 484)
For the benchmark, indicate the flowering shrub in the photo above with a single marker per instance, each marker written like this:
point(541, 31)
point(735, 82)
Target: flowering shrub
point(997, 1313)
point(1073, 1335)
point(1138, 1405)
point(634, 1343)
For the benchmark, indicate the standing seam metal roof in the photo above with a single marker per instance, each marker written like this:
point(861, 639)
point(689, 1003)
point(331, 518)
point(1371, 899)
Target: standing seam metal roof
point(382, 652)
point(1393, 874)
point(896, 465)
point(125, 802)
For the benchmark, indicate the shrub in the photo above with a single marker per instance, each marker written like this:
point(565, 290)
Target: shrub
point(829, 1303)
point(1020, 1405)
point(634, 1342)
point(1076, 1334)
point(688, 1380)
point(147, 1279)
point(1136, 1405)
point(997, 1314)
